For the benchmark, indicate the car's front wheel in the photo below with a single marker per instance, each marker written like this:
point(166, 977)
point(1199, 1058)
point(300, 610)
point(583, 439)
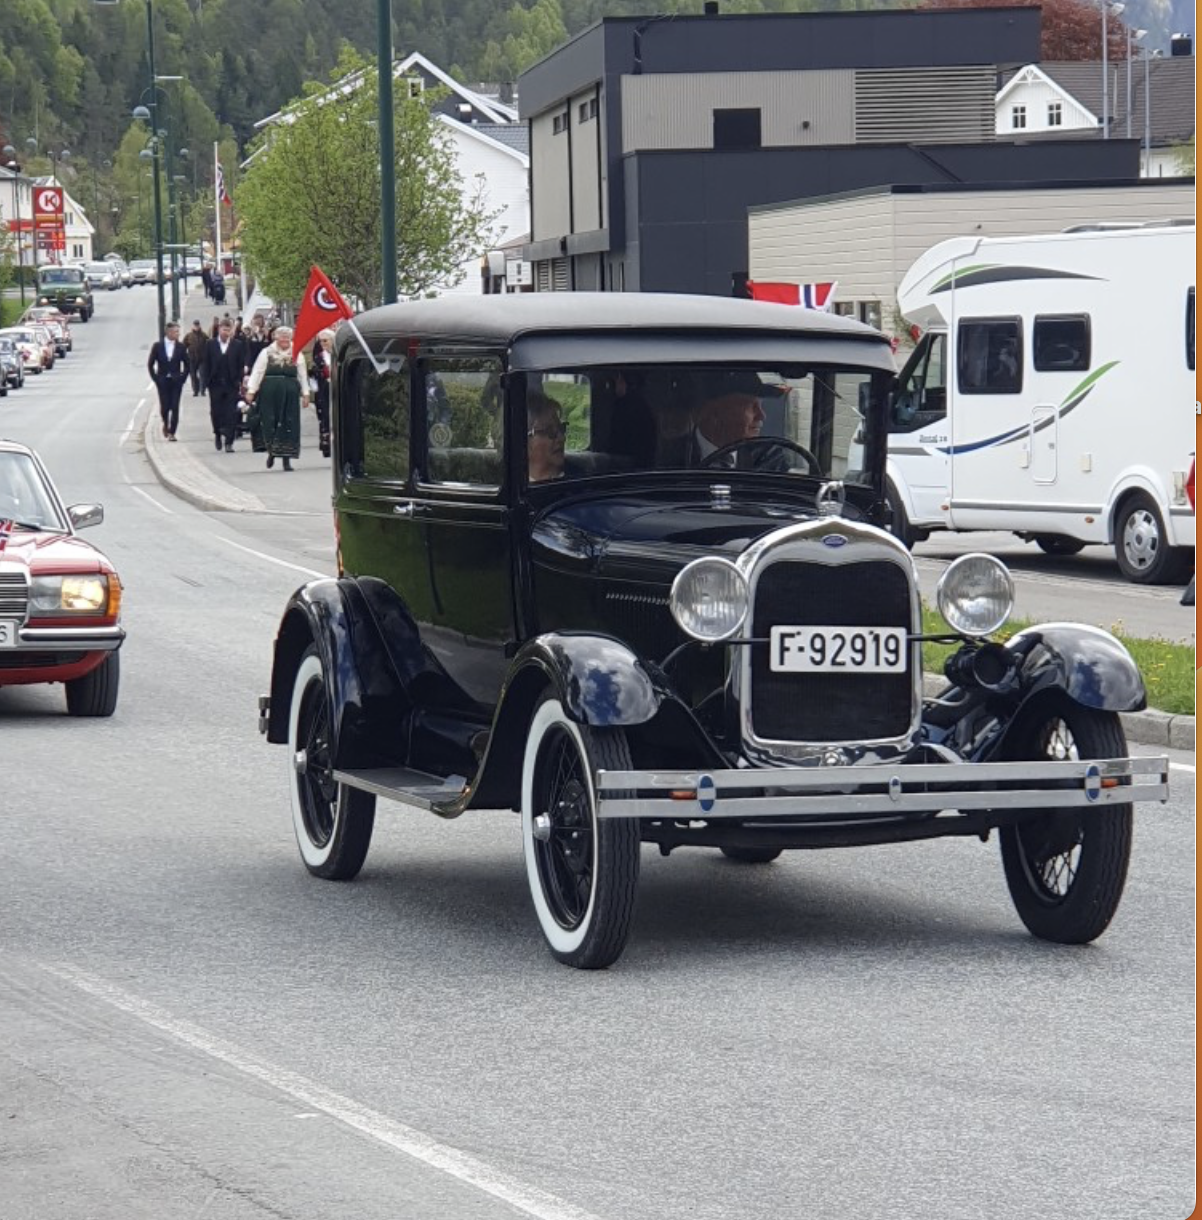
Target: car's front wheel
point(95, 694)
point(583, 870)
point(1141, 544)
point(1066, 868)
point(333, 823)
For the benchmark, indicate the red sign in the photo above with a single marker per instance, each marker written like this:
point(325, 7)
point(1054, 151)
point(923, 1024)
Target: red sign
point(48, 201)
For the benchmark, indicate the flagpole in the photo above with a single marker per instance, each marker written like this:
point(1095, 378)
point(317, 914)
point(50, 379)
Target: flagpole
point(217, 196)
point(380, 368)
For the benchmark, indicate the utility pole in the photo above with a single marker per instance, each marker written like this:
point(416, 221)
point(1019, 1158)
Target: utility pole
point(388, 245)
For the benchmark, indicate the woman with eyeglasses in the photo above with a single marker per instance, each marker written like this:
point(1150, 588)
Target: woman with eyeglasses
point(545, 433)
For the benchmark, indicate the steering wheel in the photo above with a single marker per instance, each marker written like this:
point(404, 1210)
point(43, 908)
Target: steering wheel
point(774, 442)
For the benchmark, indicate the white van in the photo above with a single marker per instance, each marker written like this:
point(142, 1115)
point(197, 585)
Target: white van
point(1052, 394)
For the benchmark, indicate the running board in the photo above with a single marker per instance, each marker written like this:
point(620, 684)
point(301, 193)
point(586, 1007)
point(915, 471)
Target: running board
point(405, 785)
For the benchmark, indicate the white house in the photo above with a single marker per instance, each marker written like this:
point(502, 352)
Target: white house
point(80, 233)
point(490, 145)
point(1149, 99)
point(16, 215)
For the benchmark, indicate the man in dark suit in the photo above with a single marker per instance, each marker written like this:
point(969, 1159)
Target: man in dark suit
point(225, 360)
point(168, 369)
point(726, 408)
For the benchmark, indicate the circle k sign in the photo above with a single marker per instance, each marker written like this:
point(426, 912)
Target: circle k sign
point(48, 201)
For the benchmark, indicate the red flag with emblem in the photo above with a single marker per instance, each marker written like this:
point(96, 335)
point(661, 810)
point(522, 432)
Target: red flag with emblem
point(323, 306)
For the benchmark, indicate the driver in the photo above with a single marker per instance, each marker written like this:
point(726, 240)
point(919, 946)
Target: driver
point(727, 410)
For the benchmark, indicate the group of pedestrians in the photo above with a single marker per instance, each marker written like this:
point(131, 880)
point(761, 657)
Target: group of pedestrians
point(255, 366)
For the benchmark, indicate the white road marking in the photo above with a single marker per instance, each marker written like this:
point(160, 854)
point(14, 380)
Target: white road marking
point(272, 559)
point(130, 427)
point(1182, 767)
point(146, 495)
point(313, 1096)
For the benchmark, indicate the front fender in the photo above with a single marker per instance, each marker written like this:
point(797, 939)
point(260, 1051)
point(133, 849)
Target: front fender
point(368, 704)
point(1092, 667)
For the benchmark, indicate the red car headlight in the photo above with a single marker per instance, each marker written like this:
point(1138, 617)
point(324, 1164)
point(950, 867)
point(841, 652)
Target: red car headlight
point(51, 596)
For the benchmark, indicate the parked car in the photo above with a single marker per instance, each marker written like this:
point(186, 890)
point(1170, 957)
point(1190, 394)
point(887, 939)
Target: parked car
point(144, 271)
point(102, 275)
point(55, 322)
point(45, 337)
point(604, 560)
point(60, 598)
point(67, 289)
point(33, 350)
point(12, 366)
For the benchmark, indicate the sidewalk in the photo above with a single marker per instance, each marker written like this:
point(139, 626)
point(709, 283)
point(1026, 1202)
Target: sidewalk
point(239, 482)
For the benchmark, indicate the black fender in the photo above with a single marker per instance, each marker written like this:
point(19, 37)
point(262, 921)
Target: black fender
point(369, 707)
point(1088, 664)
point(601, 683)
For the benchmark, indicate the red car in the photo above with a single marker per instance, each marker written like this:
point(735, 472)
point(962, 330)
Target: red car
point(60, 598)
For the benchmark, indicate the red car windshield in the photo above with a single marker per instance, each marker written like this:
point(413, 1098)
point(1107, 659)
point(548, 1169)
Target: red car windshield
point(24, 496)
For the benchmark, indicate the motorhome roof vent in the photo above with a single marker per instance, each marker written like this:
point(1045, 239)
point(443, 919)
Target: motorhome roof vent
point(1181, 44)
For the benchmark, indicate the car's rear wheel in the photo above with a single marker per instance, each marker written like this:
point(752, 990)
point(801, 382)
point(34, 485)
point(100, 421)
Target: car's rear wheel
point(1141, 544)
point(95, 694)
point(751, 855)
point(1066, 868)
point(333, 823)
point(583, 870)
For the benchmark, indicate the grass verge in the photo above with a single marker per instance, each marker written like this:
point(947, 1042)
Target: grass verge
point(10, 311)
point(1167, 667)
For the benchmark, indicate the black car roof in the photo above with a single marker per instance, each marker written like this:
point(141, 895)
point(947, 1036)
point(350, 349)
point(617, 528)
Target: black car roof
point(495, 321)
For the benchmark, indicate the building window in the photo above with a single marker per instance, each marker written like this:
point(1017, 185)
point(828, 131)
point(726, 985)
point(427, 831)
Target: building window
point(845, 309)
point(870, 314)
point(989, 356)
point(587, 110)
point(1055, 114)
point(559, 124)
point(1061, 345)
point(415, 86)
point(737, 128)
point(1018, 117)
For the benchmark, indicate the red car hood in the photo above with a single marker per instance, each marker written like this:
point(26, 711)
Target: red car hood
point(50, 554)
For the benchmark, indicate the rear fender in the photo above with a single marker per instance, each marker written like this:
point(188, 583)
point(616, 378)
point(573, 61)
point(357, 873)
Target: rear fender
point(368, 704)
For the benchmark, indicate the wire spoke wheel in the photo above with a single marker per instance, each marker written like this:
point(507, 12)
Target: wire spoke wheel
point(582, 870)
point(1066, 868)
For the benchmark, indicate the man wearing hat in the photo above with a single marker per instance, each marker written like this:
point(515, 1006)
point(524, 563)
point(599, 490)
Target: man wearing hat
point(727, 409)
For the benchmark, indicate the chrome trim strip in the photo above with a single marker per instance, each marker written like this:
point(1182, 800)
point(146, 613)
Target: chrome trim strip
point(830, 792)
point(1027, 507)
point(91, 639)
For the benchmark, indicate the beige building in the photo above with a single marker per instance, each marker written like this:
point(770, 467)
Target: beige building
point(868, 240)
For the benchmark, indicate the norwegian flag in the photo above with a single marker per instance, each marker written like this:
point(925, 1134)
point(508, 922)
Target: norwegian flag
point(6, 529)
point(223, 195)
point(808, 296)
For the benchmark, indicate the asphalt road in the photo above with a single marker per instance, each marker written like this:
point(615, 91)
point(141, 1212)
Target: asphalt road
point(193, 1027)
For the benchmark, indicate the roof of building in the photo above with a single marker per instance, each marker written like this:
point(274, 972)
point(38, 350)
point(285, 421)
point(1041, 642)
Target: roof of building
point(513, 135)
point(1170, 83)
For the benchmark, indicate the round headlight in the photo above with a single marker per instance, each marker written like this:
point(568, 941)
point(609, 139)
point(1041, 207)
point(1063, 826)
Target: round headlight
point(975, 594)
point(709, 599)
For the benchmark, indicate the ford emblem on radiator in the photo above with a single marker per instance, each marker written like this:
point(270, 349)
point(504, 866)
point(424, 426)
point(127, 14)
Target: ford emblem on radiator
point(834, 540)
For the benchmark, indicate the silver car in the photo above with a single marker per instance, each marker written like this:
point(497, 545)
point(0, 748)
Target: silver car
point(102, 275)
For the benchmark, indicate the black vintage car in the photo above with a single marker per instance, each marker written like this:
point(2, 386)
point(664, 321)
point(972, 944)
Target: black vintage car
point(619, 563)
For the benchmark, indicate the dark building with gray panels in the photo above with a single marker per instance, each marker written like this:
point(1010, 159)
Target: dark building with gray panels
point(651, 137)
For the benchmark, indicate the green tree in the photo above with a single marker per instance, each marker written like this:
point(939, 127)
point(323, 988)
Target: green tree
point(1185, 158)
point(311, 194)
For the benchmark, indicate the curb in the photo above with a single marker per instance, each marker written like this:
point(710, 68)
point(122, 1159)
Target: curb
point(1150, 727)
point(189, 479)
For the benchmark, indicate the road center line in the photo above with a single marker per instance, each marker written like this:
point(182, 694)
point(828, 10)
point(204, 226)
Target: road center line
point(146, 495)
point(313, 1096)
point(272, 559)
point(130, 427)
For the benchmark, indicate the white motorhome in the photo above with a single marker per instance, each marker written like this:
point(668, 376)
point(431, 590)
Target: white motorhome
point(1052, 393)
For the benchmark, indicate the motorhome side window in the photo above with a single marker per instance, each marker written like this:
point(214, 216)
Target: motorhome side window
point(1190, 323)
point(374, 418)
point(1061, 344)
point(922, 397)
point(464, 423)
point(989, 356)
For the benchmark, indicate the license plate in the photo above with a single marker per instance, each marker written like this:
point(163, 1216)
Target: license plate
point(8, 633)
point(828, 650)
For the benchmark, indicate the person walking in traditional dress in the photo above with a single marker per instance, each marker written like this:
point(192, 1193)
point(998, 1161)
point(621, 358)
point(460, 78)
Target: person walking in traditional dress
point(278, 387)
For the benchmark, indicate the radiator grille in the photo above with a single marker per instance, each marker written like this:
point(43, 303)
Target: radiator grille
point(829, 707)
point(14, 595)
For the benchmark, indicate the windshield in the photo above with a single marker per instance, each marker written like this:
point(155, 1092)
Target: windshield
point(24, 496)
point(61, 275)
point(797, 420)
point(99, 269)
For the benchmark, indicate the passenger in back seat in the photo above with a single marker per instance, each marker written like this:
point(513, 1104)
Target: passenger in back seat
point(545, 433)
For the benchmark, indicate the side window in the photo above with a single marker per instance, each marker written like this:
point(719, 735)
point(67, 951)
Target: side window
point(373, 412)
point(989, 356)
point(1190, 334)
point(1061, 344)
point(922, 394)
point(464, 424)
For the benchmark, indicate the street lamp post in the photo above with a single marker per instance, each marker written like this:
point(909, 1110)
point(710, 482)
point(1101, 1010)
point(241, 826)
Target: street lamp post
point(388, 253)
point(10, 154)
point(152, 155)
point(1133, 36)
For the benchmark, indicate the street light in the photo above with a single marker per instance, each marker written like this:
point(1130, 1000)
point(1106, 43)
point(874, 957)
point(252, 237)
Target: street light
point(1133, 36)
point(151, 154)
point(387, 151)
point(1107, 8)
point(10, 154)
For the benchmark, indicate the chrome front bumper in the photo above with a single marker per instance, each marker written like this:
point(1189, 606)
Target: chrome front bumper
point(75, 639)
point(822, 793)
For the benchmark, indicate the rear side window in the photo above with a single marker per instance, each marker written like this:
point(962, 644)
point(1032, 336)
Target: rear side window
point(989, 356)
point(373, 422)
point(1061, 344)
point(464, 425)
